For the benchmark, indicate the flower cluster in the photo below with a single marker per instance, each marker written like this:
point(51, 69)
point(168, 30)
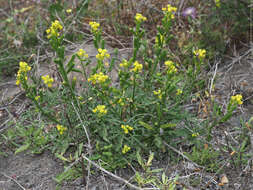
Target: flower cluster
point(48, 80)
point(195, 134)
point(69, 11)
point(54, 29)
point(200, 53)
point(37, 98)
point(158, 93)
point(217, 3)
point(179, 91)
point(94, 26)
point(100, 109)
point(171, 67)
point(81, 53)
point(121, 102)
point(61, 129)
point(169, 11)
point(23, 69)
point(125, 149)
point(137, 67)
point(99, 78)
point(139, 18)
point(102, 53)
point(237, 99)
point(124, 64)
point(126, 128)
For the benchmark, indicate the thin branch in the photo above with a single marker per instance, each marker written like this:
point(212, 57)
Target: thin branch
point(181, 154)
point(13, 180)
point(116, 177)
point(212, 80)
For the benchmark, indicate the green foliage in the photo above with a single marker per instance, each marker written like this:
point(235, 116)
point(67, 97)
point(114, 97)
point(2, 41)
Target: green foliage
point(207, 157)
point(228, 23)
point(139, 113)
point(149, 176)
point(119, 119)
point(69, 174)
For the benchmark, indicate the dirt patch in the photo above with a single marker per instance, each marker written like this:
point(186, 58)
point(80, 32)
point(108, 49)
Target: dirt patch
point(29, 171)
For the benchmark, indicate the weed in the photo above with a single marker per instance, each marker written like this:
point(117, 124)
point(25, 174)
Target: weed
point(117, 121)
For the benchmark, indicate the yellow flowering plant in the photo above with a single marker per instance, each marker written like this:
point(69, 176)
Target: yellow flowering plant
point(48, 80)
point(22, 74)
point(61, 129)
point(218, 117)
point(138, 111)
point(97, 38)
point(139, 18)
point(125, 149)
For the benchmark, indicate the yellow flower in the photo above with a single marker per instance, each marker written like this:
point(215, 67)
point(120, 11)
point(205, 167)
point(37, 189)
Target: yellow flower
point(98, 78)
point(37, 98)
point(169, 9)
point(195, 134)
point(22, 72)
point(200, 53)
point(56, 25)
point(102, 53)
point(48, 80)
point(125, 149)
point(23, 66)
point(158, 93)
point(69, 10)
point(140, 18)
point(54, 29)
point(94, 26)
point(81, 53)
point(126, 128)
point(137, 67)
point(124, 64)
point(237, 99)
point(61, 129)
point(179, 91)
point(120, 102)
point(100, 109)
point(17, 82)
point(217, 3)
point(80, 98)
point(171, 67)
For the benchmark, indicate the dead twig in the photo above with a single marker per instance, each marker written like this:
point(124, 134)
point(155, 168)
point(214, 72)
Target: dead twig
point(116, 177)
point(181, 154)
point(12, 179)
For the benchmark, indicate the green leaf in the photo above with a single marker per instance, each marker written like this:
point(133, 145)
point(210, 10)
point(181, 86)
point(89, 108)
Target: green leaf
point(151, 157)
point(10, 19)
point(76, 70)
point(157, 170)
point(70, 68)
point(69, 174)
point(164, 178)
point(107, 154)
point(71, 61)
point(22, 148)
point(80, 148)
point(147, 126)
point(139, 159)
point(62, 157)
point(158, 142)
point(138, 178)
point(168, 125)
